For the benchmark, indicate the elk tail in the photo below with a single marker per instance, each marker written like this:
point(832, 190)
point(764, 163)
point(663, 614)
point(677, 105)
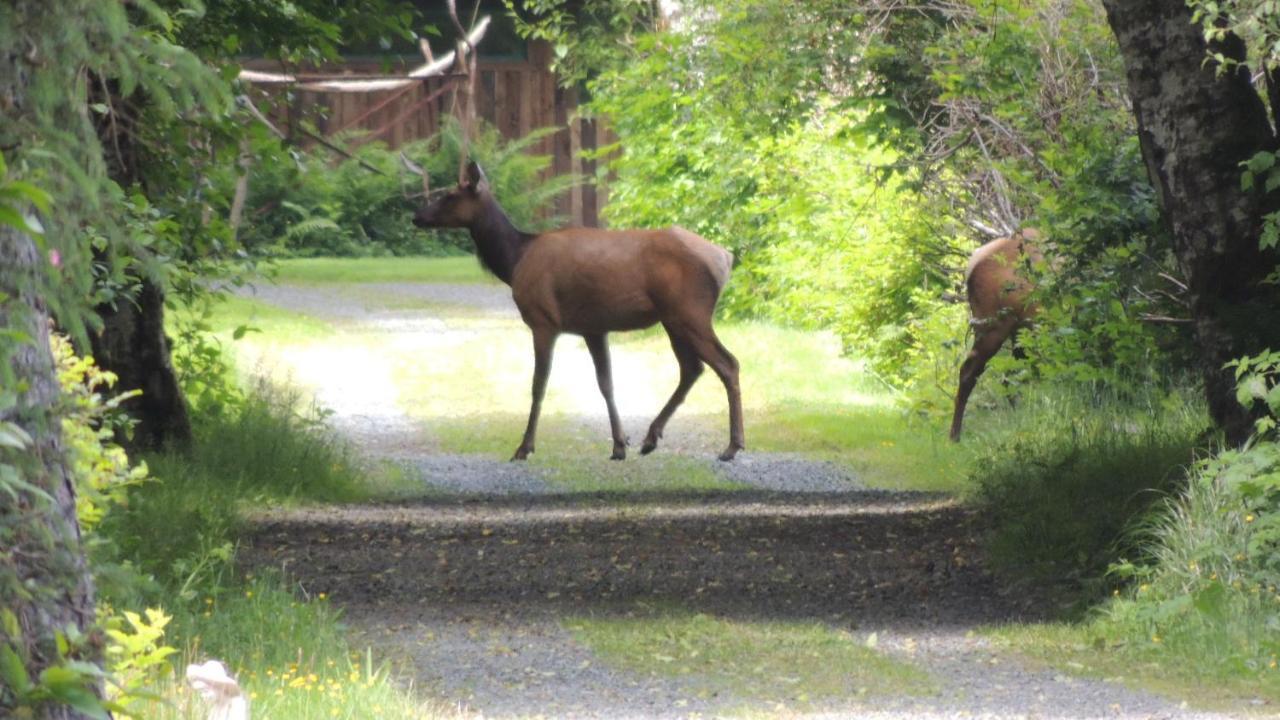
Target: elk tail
point(721, 268)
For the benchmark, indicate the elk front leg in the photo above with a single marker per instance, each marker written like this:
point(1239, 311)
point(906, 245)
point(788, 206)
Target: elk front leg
point(544, 342)
point(598, 345)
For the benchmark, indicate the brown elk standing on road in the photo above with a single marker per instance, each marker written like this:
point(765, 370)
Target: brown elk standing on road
point(591, 282)
point(998, 306)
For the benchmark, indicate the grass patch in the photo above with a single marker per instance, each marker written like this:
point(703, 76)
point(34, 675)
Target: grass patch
point(1065, 476)
point(288, 655)
point(799, 396)
point(783, 663)
point(181, 530)
point(326, 271)
point(1095, 649)
point(266, 321)
point(181, 527)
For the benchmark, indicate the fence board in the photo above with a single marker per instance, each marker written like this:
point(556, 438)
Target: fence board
point(516, 97)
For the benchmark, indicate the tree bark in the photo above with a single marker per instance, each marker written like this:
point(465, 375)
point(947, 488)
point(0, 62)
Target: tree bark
point(133, 345)
point(44, 578)
point(1196, 127)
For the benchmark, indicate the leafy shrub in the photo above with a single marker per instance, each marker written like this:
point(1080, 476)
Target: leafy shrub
point(313, 206)
point(1066, 476)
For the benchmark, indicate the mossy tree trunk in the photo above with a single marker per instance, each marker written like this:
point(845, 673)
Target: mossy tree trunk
point(44, 578)
point(1196, 127)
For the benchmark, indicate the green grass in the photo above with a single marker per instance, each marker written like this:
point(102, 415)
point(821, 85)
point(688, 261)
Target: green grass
point(1096, 649)
point(287, 653)
point(326, 271)
point(266, 320)
point(182, 529)
point(785, 664)
point(1065, 477)
point(799, 396)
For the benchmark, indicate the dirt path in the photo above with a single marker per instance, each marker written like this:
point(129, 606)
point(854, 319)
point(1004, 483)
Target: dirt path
point(471, 590)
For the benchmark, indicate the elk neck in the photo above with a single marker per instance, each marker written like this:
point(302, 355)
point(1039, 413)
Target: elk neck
point(498, 243)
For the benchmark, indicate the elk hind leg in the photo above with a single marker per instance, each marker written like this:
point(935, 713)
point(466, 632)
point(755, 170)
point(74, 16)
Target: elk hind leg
point(690, 370)
point(598, 345)
point(544, 342)
point(725, 365)
point(985, 346)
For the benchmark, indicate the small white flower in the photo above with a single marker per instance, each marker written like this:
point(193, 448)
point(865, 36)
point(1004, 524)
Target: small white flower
point(219, 689)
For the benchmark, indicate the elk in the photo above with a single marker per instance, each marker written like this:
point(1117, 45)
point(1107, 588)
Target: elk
point(998, 306)
point(591, 282)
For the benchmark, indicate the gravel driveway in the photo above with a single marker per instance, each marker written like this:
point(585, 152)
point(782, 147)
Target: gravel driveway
point(467, 589)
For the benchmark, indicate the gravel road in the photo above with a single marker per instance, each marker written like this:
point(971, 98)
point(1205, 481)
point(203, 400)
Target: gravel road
point(467, 589)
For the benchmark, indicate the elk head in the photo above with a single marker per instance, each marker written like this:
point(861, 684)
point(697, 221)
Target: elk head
point(460, 206)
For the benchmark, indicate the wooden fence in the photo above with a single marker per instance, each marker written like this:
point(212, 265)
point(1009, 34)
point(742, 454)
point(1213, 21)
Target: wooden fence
point(516, 96)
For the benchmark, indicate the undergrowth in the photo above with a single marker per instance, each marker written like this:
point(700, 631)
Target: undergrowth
point(175, 543)
point(1065, 477)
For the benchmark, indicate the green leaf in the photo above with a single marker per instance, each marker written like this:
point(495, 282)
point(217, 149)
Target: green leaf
point(13, 672)
point(1211, 600)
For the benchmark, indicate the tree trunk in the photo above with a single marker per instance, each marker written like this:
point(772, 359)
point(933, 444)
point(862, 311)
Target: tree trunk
point(1195, 128)
point(44, 579)
point(133, 345)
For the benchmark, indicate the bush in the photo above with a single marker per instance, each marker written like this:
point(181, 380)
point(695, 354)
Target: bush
point(1065, 477)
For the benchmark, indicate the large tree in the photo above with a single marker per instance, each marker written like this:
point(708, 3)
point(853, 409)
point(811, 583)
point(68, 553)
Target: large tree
point(45, 581)
point(1198, 121)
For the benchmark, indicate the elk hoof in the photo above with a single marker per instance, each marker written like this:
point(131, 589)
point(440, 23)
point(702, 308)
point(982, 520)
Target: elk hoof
point(729, 453)
point(650, 442)
point(522, 453)
point(619, 453)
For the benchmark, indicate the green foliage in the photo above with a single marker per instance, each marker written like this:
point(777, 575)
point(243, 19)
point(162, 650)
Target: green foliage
point(1256, 22)
point(273, 448)
point(74, 47)
point(303, 206)
point(841, 175)
point(89, 423)
point(585, 36)
point(1066, 477)
point(1210, 589)
point(137, 659)
point(801, 202)
point(1207, 593)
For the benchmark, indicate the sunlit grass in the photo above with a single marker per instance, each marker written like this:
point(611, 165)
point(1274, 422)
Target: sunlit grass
point(787, 664)
point(799, 395)
point(289, 657)
point(265, 323)
point(1094, 649)
point(323, 271)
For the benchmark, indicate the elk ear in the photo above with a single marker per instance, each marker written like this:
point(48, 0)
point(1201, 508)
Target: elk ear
point(475, 179)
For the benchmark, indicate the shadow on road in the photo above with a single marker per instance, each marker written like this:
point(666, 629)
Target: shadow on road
point(890, 560)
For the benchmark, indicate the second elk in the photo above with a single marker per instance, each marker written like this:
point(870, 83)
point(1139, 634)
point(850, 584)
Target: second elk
point(998, 293)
